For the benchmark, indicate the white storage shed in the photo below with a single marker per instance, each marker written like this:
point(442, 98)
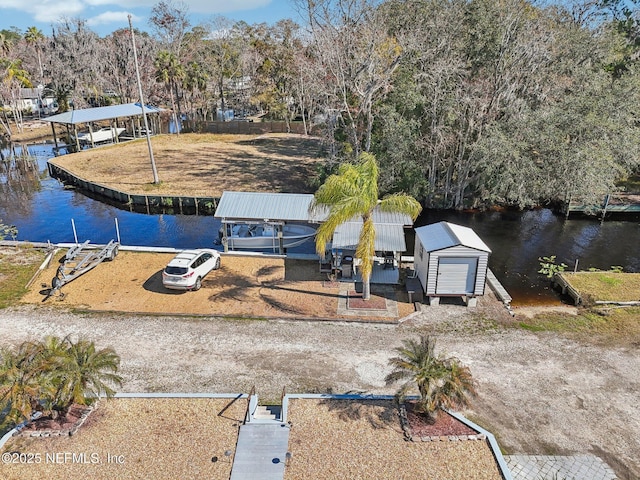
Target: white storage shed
point(450, 260)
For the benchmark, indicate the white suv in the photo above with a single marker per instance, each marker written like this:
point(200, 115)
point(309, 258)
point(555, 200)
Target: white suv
point(188, 268)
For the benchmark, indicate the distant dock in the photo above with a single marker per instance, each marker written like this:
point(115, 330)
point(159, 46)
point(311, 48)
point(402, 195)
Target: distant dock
point(618, 203)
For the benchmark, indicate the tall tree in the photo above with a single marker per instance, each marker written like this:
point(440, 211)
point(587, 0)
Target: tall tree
point(119, 67)
point(170, 72)
point(352, 193)
point(442, 382)
point(170, 20)
point(74, 54)
point(35, 38)
point(354, 45)
point(13, 78)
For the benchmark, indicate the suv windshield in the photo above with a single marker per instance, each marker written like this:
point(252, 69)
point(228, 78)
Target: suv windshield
point(175, 270)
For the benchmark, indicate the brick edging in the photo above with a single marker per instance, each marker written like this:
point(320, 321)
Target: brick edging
point(57, 433)
point(406, 429)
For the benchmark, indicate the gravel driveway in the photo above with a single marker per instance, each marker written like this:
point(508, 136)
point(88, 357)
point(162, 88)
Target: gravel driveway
point(538, 393)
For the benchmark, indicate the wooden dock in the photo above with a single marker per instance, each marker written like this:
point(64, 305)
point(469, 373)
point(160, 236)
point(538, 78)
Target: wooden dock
point(497, 288)
point(620, 203)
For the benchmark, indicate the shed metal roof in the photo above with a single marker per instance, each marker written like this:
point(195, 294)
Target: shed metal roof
point(389, 237)
point(86, 115)
point(320, 213)
point(438, 236)
point(264, 206)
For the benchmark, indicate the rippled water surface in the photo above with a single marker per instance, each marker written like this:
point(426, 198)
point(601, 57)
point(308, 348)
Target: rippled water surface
point(42, 210)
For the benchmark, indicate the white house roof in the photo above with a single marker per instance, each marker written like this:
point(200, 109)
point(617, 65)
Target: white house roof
point(264, 206)
point(438, 236)
point(86, 115)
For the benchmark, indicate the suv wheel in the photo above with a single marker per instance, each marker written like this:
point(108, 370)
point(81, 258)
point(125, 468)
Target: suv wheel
point(198, 284)
point(217, 264)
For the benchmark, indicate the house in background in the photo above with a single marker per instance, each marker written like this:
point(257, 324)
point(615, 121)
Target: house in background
point(37, 101)
point(450, 261)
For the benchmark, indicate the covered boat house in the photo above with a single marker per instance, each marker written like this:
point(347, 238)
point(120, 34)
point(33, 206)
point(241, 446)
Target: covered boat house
point(277, 221)
point(264, 221)
point(450, 261)
point(121, 118)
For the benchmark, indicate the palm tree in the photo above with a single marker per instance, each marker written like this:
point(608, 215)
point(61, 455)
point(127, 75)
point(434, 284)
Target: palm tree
point(34, 37)
point(442, 382)
point(21, 381)
point(170, 71)
point(54, 374)
point(83, 373)
point(353, 192)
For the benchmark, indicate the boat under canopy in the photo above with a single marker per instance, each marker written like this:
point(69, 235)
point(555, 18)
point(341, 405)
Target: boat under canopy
point(261, 236)
point(264, 221)
point(106, 134)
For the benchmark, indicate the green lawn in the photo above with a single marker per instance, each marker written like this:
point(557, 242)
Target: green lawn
point(17, 266)
point(606, 286)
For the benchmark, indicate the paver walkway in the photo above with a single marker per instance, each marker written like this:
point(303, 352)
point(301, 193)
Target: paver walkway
point(261, 451)
point(544, 467)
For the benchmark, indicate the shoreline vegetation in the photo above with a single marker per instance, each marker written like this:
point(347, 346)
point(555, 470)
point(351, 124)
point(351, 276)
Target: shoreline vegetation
point(239, 161)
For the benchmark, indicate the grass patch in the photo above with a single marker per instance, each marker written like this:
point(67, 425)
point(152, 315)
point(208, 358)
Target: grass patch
point(610, 325)
point(17, 266)
point(606, 286)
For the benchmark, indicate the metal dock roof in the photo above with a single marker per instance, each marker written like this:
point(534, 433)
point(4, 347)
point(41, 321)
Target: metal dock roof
point(264, 206)
point(389, 237)
point(85, 115)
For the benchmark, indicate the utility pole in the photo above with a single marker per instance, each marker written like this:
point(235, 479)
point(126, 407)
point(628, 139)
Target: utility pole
point(156, 180)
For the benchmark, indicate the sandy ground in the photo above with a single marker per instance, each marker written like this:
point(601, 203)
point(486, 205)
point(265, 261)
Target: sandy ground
point(324, 430)
point(160, 438)
point(539, 393)
point(202, 164)
point(243, 286)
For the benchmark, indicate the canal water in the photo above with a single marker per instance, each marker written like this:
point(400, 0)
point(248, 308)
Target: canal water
point(42, 209)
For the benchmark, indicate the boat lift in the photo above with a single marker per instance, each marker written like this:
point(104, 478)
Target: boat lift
point(79, 261)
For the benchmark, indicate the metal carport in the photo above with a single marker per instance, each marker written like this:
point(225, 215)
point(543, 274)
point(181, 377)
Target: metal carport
point(89, 115)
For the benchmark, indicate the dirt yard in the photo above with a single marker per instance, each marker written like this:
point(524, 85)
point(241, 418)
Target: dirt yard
point(539, 392)
point(202, 164)
point(244, 286)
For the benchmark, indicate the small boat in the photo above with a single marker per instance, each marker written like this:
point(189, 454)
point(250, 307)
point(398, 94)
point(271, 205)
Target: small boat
point(106, 134)
point(265, 236)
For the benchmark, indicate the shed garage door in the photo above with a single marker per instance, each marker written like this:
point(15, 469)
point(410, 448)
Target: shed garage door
point(456, 276)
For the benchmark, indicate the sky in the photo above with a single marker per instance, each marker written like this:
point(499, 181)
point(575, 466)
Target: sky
point(106, 16)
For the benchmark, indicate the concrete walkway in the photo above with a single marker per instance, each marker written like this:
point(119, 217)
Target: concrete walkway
point(261, 451)
point(573, 467)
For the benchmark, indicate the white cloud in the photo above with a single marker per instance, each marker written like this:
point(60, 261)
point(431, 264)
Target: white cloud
point(110, 17)
point(195, 6)
point(47, 11)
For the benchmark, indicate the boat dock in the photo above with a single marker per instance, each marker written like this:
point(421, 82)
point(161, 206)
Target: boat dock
point(497, 288)
point(619, 203)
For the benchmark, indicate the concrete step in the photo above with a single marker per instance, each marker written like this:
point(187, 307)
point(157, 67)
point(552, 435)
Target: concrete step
point(267, 412)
